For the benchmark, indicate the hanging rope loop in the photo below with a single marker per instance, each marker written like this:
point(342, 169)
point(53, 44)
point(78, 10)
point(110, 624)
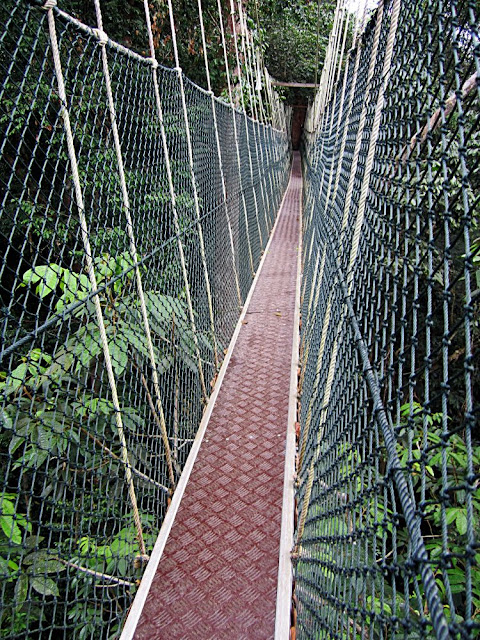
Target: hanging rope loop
point(49, 4)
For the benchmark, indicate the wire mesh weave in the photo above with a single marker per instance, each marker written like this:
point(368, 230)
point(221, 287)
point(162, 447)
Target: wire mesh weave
point(389, 449)
point(71, 520)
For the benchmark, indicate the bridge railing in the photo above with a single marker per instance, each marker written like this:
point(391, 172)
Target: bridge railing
point(124, 267)
point(389, 449)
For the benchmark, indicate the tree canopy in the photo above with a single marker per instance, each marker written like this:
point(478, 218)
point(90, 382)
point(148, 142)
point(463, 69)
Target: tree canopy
point(290, 37)
point(286, 31)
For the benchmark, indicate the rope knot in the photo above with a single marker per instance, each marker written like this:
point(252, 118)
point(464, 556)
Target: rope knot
point(154, 63)
point(49, 4)
point(101, 36)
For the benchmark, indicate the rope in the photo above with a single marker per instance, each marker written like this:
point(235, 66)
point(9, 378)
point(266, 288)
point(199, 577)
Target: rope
point(196, 201)
point(246, 56)
point(235, 134)
point(173, 198)
point(133, 249)
point(245, 121)
point(219, 153)
point(363, 116)
point(328, 386)
point(373, 137)
point(91, 274)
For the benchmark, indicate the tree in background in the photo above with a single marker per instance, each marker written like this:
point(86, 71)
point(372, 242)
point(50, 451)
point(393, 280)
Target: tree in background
point(290, 37)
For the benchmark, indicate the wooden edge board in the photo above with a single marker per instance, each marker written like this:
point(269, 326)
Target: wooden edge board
point(285, 569)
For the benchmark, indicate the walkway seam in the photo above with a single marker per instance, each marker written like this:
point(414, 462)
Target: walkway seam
point(157, 552)
point(285, 568)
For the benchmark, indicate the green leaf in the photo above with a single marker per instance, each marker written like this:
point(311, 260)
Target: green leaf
point(21, 590)
point(15, 379)
point(48, 277)
point(451, 514)
point(45, 586)
point(4, 568)
point(46, 565)
point(5, 420)
point(9, 527)
point(119, 354)
point(32, 541)
point(37, 556)
point(461, 522)
point(87, 350)
point(69, 283)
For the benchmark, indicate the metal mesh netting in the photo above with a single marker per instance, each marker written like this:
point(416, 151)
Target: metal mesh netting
point(389, 449)
point(91, 442)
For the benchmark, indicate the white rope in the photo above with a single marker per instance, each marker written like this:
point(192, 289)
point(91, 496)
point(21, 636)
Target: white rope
point(245, 118)
point(235, 134)
point(314, 397)
point(339, 119)
point(173, 198)
point(256, 124)
point(373, 140)
point(336, 46)
point(347, 117)
point(91, 273)
point(342, 49)
point(327, 389)
point(195, 191)
point(361, 124)
point(103, 39)
point(219, 153)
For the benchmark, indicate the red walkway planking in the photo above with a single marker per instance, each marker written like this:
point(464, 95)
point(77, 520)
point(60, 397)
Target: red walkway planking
point(217, 577)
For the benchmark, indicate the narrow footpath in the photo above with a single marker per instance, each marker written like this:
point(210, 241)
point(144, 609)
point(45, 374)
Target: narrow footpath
point(217, 576)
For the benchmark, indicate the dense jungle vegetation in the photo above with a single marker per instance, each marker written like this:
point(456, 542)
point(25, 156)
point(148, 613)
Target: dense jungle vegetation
point(71, 553)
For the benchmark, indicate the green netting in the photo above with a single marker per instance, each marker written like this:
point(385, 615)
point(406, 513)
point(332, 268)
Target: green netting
point(388, 497)
point(80, 496)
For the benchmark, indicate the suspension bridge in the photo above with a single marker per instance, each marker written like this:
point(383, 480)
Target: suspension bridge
point(239, 384)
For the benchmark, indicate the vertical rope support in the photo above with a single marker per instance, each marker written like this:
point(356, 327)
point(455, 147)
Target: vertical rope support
point(258, 80)
point(323, 415)
point(303, 515)
point(321, 97)
point(264, 149)
point(91, 274)
point(313, 300)
point(248, 65)
point(327, 389)
point(387, 62)
point(268, 131)
point(339, 118)
point(337, 43)
point(245, 118)
point(333, 355)
point(235, 134)
point(344, 42)
point(194, 183)
point(219, 153)
point(347, 117)
point(173, 198)
point(133, 249)
point(363, 117)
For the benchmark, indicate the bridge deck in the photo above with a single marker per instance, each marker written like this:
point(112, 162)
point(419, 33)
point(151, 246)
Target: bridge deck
point(217, 577)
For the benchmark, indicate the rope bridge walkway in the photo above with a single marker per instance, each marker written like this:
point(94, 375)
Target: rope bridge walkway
point(136, 210)
point(217, 577)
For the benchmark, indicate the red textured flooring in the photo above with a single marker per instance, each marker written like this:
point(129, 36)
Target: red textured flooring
point(217, 578)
